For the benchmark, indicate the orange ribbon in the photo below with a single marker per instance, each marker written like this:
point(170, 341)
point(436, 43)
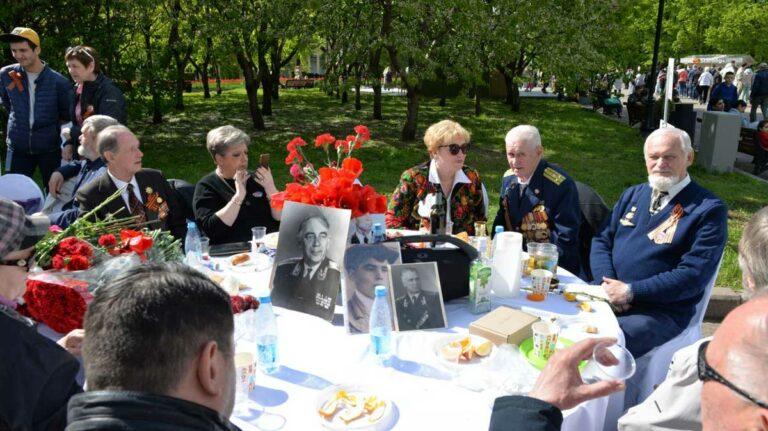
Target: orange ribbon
point(17, 83)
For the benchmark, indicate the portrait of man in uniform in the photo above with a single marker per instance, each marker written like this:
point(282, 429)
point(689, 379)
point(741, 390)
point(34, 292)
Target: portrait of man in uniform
point(417, 296)
point(307, 274)
point(365, 267)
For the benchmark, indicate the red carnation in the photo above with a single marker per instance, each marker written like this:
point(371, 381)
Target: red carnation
point(324, 140)
point(78, 262)
point(107, 240)
point(295, 142)
point(363, 134)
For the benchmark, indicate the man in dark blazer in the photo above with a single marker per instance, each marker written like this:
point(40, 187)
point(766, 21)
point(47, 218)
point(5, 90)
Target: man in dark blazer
point(538, 199)
point(417, 309)
point(309, 283)
point(145, 192)
point(661, 246)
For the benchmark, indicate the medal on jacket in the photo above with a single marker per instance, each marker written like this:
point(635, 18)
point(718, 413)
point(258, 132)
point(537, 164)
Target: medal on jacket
point(664, 233)
point(627, 219)
point(535, 225)
point(322, 300)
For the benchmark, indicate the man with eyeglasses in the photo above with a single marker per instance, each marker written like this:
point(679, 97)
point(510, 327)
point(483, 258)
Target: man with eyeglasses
point(309, 283)
point(37, 375)
point(675, 403)
point(538, 199)
point(37, 99)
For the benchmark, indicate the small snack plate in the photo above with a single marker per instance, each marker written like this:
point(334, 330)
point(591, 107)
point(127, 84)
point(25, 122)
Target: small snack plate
point(377, 419)
point(255, 262)
point(526, 348)
point(442, 349)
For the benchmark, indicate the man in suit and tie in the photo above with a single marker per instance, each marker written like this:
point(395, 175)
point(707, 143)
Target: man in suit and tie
point(662, 245)
point(417, 309)
point(145, 192)
point(309, 283)
point(538, 199)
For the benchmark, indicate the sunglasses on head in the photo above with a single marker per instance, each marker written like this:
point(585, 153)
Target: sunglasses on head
point(79, 49)
point(21, 263)
point(455, 148)
point(706, 372)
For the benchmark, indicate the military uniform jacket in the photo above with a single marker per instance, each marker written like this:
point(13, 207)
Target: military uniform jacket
point(547, 211)
point(422, 313)
point(316, 295)
point(668, 277)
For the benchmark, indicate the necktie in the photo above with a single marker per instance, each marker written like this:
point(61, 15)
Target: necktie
point(136, 207)
point(656, 204)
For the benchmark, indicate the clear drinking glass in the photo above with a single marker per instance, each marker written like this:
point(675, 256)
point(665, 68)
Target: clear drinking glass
point(613, 362)
point(257, 239)
point(205, 248)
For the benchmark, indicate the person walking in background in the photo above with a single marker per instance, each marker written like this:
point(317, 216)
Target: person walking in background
point(705, 82)
point(759, 95)
point(747, 76)
point(37, 100)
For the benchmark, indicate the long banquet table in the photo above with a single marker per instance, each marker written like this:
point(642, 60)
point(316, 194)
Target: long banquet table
point(316, 355)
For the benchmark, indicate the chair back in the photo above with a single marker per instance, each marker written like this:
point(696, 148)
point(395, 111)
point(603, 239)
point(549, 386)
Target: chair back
point(185, 192)
point(594, 213)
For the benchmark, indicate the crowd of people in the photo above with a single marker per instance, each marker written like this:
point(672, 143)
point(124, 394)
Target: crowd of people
point(170, 348)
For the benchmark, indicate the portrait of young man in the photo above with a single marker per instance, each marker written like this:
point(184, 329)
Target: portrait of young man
point(365, 267)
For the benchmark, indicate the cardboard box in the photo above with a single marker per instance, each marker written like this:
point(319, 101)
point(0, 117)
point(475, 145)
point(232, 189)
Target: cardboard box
point(504, 325)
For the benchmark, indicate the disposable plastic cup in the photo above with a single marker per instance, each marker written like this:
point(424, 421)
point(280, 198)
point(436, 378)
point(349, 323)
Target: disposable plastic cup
point(546, 257)
point(246, 374)
point(257, 238)
point(540, 279)
point(545, 336)
point(613, 362)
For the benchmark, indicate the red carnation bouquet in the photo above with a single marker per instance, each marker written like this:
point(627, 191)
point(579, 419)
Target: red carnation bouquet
point(335, 185)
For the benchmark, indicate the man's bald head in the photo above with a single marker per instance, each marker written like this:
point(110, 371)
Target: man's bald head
point(739, 352)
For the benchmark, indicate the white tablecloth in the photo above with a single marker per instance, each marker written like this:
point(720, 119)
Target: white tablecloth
point(315, 355)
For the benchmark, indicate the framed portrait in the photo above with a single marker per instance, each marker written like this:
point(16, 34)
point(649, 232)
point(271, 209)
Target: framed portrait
point(417, 297)
point(361, 228)
point(365, 267)
point(306, 276)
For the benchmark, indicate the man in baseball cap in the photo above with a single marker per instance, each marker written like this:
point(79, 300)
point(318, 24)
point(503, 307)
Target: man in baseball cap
point(38, 100)
point(37, 376)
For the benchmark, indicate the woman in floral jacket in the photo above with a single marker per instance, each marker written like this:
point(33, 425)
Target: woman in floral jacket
point(466, 200)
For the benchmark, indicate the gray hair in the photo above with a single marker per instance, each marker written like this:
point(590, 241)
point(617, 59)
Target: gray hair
point(407, 270)
point(107, 139)
point(303, 225)
point(220, 139)
point(97, 123)
point(753, 249)
point(526, 133)
point(681, 135)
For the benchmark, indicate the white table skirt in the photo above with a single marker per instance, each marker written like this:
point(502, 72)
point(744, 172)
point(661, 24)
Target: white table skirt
point(315, 354)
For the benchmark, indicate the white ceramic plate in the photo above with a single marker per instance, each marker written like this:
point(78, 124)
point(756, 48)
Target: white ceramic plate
point(257, 262)
point(476, 359)
point(362, 423)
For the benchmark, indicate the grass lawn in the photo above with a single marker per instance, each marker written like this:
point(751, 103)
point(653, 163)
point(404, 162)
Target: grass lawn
point(597, 151)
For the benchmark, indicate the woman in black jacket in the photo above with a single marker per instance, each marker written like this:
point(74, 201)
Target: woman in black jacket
point(229, 201)
point(94, 92)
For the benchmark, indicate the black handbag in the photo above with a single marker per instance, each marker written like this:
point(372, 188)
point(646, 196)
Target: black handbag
point(452, 263)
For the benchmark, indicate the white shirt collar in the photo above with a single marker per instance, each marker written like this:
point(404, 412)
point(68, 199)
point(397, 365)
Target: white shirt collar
point(460, 176)
point(673, 191)
point(120, 184)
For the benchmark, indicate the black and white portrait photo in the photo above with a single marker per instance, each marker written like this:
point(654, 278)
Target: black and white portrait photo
point(361, 228)
point(307, 271)
point(365, 267)
point(417, 296)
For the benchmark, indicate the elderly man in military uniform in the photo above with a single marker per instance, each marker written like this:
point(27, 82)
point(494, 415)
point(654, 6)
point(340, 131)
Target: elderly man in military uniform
point(417, 309)
point(539, 200)
point(661, 247)
point(309, 283)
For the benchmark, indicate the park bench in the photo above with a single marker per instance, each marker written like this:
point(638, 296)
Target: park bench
point(299, 83)
point(747, 141)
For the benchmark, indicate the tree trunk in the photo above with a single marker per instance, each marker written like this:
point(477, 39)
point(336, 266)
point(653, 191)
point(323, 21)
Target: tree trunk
point(251, 88)
point(266, 80)
point(204, 69)
point(179, 91)
point(174, 42)
point(478, 109)
point(157, 114)
point(275, 58)
point(515, 100)
point(374, 69)
point(411, 118)
point(508, 84)
point(217, 73)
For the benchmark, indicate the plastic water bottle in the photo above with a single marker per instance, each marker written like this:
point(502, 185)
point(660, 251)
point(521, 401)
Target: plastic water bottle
point(265, 326)
point(381, 325)
point(497, 230)
point(192, 241)
point(379, 234)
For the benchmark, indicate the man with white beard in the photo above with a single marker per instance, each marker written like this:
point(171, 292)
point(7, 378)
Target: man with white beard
point(661, 246)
